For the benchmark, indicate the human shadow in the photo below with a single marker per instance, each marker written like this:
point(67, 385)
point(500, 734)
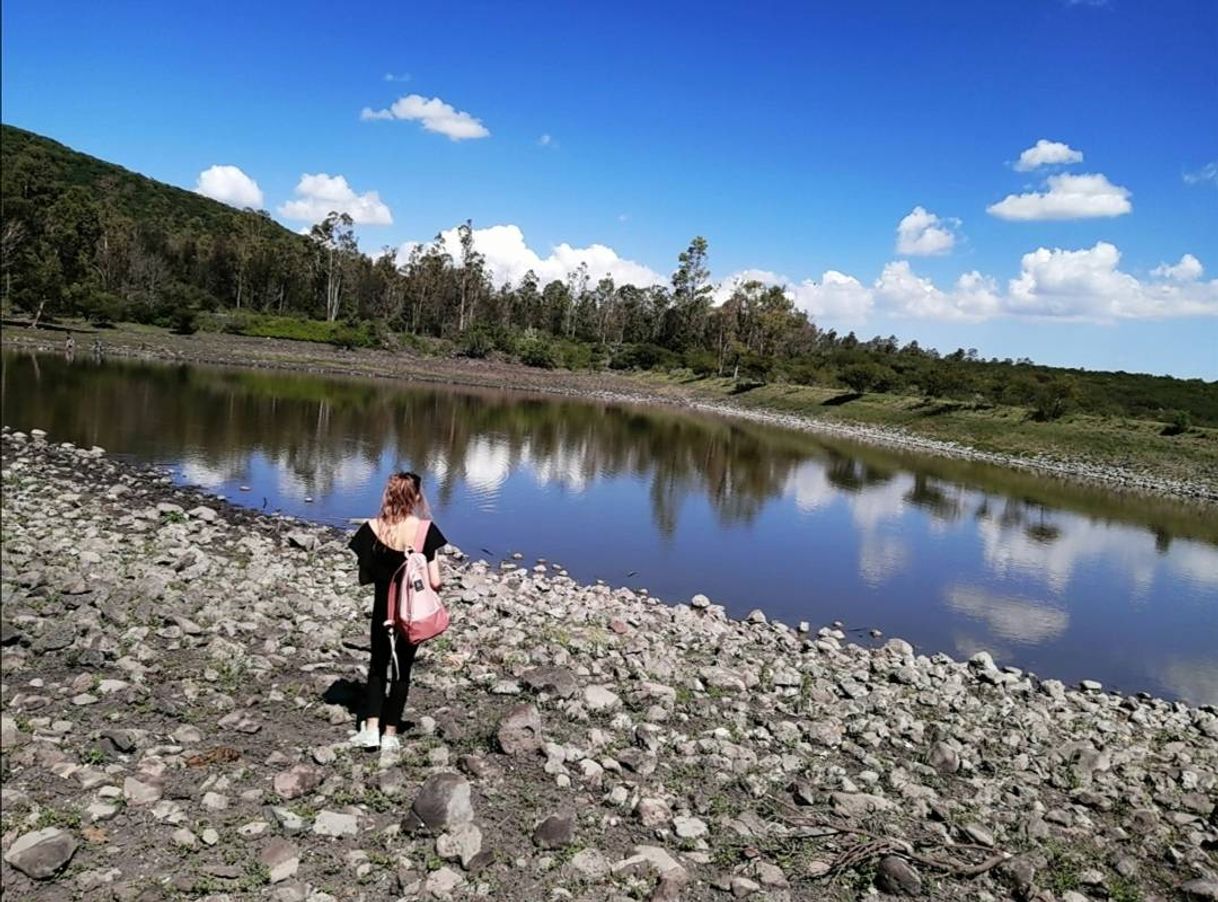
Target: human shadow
point(345, 692)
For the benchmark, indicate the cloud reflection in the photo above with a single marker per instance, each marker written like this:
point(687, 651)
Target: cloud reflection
point(1021, 620)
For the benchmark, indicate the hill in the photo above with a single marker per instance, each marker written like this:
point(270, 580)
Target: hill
point(82, 235)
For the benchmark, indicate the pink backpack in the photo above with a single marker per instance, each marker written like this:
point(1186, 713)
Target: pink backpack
point(415, 610)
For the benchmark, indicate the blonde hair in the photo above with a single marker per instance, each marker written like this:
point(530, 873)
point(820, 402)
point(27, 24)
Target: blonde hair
point(403, 498)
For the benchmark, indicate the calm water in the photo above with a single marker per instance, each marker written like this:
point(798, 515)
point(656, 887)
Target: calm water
point(1063, 581)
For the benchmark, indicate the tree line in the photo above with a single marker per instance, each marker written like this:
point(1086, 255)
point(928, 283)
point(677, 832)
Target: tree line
point(82, 237)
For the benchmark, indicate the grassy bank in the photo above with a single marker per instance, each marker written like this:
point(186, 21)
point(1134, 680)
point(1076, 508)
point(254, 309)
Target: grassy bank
point(1104, 441)
point(1132, 445)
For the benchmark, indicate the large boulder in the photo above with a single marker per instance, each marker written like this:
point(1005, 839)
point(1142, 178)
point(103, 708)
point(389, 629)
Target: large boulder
point(43, 853)
point(443, 803)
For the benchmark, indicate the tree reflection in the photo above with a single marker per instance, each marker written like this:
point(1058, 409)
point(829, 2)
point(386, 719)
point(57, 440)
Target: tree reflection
point(322, 431)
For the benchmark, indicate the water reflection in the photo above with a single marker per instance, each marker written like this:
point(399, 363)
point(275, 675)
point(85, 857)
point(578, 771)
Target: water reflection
point(1072, 582)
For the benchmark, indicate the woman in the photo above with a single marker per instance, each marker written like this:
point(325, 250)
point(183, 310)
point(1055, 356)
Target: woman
point(381, 544)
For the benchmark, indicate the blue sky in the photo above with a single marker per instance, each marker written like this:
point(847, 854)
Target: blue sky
point(795, 137)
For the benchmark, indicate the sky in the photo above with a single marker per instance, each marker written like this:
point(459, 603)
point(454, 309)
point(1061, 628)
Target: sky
point(1030, 178)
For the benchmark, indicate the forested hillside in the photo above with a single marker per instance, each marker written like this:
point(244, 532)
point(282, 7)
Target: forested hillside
point(83, 237)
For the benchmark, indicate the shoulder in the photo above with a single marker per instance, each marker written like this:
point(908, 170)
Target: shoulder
point(433, 541)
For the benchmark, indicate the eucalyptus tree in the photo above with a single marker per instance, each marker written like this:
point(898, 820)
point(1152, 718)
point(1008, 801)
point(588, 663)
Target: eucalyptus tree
point(335, 243)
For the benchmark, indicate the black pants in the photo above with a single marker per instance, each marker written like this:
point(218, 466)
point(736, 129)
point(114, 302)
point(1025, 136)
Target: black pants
point(388, 706)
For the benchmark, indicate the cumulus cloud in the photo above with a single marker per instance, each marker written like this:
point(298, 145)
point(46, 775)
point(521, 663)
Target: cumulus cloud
point(837, 295)
point(1086, 284)
point(317, 195)
point(1068, 197)
point(546, 140)
point(434, 114)
point(508, 258)
point(403, 77)
point(1047, 153)
point(1052, 283)
point(1189, 269)
point(901, 291)
point(229, 185)
point(923, 234)
point(1207, 173)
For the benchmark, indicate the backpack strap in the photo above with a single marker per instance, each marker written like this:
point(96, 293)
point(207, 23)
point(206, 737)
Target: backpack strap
point(420, 537)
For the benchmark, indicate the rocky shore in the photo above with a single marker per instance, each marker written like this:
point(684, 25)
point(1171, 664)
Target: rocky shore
point(179, 677)
point(1198, 485)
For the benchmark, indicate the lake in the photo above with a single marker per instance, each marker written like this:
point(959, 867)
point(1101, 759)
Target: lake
point(1065, 581)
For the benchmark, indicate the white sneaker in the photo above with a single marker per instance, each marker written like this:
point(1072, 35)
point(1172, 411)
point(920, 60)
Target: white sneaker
point(391, 743)
point(366, 739)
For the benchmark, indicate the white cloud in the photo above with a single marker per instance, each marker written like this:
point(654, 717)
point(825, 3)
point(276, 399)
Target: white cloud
point(508, 258)
point(1086, 284)
point(317, 195)
point(1068, 197)
point(403, 77)
point(1083, 285)
point(1207, 173)
point(546, 140)
point(1047, 153)
point(903, 292)
point(434, 114)
point(923, 234)
point(837, 295)
point(228, 184)
point(1189, 269)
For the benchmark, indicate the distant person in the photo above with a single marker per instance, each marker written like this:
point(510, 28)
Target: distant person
point(97, 348)
point(69, 347)
point(403, 522)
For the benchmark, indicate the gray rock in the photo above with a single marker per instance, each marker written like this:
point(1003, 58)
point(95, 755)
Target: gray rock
point(858, 804)
point(1020, 874)
point(897, 877)
point(281, 859)
point(653, 859)
point(591, 864)
point(443, 803)
point(43, 853)
point(141, 792)
point(943, 758)
point(557, 681)
point(1200, 889)
point(601, 698)
point(689, 827)
point(289, 821)
point(301, 539)
point(296, 781)
point(519, 731)
point(653, 813)
point(463, 843)
point(333, 823)
point(979, 834)
point(555, 831)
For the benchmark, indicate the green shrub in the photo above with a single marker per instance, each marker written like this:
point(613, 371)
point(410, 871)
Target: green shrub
point(103, 309)
point(477, 344)
point(1181, 422)
point(183, 322)
point(700, 362)
point(643, 356)
point(537, 352)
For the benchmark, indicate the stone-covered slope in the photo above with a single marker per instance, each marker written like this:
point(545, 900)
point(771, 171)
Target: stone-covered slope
point(178, 678)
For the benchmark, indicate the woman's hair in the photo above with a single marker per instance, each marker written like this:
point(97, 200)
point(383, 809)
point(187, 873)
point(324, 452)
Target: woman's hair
point(403, 497)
